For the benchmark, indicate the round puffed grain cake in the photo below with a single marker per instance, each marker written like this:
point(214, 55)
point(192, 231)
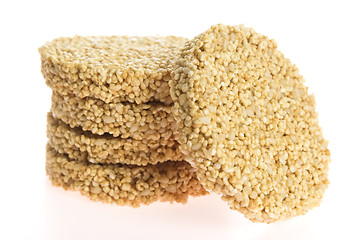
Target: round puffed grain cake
point(133, 69)
point(82, 146)
point(123, 184)
point(126, 120)
point(246, 121)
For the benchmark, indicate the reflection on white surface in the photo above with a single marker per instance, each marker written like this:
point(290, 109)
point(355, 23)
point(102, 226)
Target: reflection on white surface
point(68, 215)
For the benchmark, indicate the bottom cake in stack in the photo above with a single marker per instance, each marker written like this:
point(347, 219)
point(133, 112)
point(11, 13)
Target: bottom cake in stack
point(111, 169)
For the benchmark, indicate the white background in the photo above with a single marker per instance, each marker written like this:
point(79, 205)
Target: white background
point(322, 38)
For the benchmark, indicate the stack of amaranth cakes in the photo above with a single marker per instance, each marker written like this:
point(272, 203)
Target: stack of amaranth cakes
point(111, 132)
point(228, 102)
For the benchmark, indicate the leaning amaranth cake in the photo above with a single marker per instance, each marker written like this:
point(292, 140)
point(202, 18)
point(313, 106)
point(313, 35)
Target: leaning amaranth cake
point(133, 69)
point(123, 184)
point(248, 124)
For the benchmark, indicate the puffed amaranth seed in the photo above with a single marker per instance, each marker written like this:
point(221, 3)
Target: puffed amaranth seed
point(245, 118)
point(126, 120)
point(82, 146)
point(123, 184)
point(133, 69)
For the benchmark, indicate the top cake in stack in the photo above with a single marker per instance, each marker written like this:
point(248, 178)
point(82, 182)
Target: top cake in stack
point(111, 105)
point(112, 69)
